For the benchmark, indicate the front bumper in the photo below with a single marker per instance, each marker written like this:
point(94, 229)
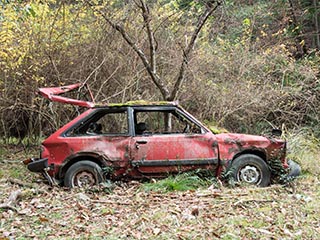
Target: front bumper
point(39, 165)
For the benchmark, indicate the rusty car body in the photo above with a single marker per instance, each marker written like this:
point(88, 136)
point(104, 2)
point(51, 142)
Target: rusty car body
point(147, 140)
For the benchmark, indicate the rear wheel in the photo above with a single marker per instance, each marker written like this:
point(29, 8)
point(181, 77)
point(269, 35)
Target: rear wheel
point(251, 169)
point(83, 174)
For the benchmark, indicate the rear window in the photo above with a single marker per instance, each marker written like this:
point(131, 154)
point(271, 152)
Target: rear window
point(103, 122)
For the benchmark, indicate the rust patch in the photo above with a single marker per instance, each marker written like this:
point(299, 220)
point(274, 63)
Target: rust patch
point(234, 141)
point(215, 144)
point(233, 150)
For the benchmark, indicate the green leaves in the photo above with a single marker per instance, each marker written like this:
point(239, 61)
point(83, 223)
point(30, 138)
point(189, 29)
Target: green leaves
point(246, 22)
point(180, 182)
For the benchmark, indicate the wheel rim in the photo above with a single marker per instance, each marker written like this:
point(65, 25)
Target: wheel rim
point(250, 174)
point(84, 179)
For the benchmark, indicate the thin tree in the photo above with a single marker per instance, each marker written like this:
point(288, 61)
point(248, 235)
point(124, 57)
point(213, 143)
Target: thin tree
point(150, 60)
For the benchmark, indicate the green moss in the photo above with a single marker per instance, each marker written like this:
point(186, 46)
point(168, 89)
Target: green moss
point(217, 130)
point(136, 102)
point(213, 126)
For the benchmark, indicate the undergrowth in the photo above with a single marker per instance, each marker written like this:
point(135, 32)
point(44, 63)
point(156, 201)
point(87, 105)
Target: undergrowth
point(304, 148)
point(181, 182)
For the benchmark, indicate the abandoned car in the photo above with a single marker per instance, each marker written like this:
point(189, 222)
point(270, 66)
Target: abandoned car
point(147, 140)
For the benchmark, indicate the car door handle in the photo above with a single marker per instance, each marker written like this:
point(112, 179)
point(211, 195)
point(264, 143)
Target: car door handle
point(141, 141)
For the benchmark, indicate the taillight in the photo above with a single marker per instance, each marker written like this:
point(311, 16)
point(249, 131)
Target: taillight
point(27, 161)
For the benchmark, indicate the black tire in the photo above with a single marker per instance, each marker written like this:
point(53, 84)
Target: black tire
point(251, 169)
point(83, 174)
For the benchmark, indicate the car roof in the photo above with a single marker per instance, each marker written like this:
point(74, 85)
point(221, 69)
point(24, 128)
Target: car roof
point(138, 103)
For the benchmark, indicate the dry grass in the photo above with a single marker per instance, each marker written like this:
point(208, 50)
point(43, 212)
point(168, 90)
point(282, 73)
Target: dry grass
point(304, 148)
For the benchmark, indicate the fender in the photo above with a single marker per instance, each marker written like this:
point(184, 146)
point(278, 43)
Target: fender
point(97, 157)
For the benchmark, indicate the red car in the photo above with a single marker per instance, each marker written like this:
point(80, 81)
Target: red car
point(143, 140)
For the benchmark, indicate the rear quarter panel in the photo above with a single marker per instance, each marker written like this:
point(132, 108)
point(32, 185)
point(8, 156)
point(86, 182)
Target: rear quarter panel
point(59, 149)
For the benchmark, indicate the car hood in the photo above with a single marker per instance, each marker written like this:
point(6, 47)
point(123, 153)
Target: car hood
point(246, 139)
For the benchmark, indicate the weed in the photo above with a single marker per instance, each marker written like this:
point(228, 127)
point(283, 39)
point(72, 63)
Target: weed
point(227, 176)
point(279, 174)
point(106, 187)
point(180, 182)
point(25, 142)
point(304, 148)
point(107, 171)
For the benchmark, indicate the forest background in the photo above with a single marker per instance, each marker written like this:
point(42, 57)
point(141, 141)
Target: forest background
point(254, 66)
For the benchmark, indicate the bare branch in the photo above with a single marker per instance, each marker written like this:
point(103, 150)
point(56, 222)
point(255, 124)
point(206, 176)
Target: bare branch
point(210, 8)
point(13, 198)
point(149, 66)
point(147, 20)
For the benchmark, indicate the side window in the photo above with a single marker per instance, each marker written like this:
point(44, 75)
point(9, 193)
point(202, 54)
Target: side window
point(103, 123)
point(163, 122)
point(113, 123)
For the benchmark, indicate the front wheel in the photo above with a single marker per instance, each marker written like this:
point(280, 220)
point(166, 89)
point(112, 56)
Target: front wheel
point(251, 169)
point(83, 174)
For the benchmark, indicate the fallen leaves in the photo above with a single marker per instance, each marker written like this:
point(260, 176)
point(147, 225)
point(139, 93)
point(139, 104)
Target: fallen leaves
point(130, 212)
point(13, 198)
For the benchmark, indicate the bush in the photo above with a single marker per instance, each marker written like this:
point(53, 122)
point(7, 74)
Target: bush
point(304, 148)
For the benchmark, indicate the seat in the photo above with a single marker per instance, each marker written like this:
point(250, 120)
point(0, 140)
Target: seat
point(94, 128)
point(140, 128)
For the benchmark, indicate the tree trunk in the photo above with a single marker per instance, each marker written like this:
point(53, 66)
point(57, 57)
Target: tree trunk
point(150, 62)
point(316, 23)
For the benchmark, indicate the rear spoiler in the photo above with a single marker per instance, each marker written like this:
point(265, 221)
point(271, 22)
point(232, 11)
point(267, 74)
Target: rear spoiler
point(52, 93)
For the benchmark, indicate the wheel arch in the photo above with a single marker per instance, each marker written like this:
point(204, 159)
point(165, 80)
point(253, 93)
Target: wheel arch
point(258, 152)
point(97, 158)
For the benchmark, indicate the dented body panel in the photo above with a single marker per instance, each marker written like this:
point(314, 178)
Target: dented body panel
point(178, 152)
point(231, 144)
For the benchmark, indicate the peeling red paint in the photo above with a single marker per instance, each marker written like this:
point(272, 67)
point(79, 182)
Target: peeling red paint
point(54, 92)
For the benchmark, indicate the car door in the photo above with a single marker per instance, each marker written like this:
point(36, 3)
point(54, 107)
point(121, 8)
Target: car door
point(179, 145)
